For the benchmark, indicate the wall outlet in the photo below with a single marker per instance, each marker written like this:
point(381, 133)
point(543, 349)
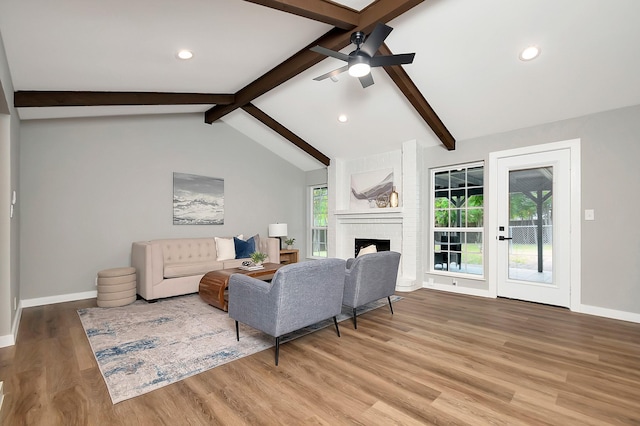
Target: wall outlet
point(454, 282)
point(430, 282)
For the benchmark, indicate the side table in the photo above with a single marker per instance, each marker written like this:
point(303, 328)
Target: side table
point(288, 256)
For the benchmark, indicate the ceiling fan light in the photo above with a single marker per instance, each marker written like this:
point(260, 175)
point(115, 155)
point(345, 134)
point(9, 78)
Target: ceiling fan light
point(359, 70)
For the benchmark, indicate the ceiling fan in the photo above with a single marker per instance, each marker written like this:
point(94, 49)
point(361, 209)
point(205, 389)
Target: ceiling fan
point(361, 60)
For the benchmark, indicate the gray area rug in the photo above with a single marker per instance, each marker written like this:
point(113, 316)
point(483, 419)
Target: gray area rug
point(145, 346)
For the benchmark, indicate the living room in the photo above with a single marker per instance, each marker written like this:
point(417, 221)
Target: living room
point(87, 187)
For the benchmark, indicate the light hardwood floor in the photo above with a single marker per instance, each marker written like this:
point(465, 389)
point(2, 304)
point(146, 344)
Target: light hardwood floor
point(441, 359)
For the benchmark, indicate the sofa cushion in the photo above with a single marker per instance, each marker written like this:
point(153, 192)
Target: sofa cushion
point(244, 248)
point(174, 270)
point(225, 248)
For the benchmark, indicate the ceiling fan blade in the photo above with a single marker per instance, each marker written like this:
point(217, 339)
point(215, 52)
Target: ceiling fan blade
point(383, 61)
point(329, 52)
point(375, 39)
point(366, 80)
point(332, 73)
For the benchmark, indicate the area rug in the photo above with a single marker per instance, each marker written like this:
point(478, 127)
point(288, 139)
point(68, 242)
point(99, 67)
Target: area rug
point(145, 346)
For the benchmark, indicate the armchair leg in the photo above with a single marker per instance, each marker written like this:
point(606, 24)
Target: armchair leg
point(277, 349)
point(237, 332)
point(390, 307)
point(335, 321)
point(355, 322)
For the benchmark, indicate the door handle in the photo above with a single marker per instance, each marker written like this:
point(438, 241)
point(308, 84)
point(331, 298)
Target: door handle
point(502, 238)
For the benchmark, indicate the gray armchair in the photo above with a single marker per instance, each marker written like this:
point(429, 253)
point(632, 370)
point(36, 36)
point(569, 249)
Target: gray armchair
point(299, 295)
point(370, 277)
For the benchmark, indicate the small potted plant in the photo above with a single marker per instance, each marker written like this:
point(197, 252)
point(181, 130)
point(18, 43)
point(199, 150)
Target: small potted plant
point(289, 242)
point(258, 257)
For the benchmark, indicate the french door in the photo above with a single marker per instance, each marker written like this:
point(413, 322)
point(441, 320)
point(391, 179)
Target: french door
point(532, 219)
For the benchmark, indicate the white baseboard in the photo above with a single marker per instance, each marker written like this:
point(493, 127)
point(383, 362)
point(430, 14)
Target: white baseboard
point(457, 289)
point(407, 284)
point(1, 394)
point(7, 340)
point(609, 313)
point(10, 339)
point(584, 309)
point(50, 300)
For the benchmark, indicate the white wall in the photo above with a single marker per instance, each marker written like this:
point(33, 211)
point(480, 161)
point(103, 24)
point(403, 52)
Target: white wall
point(610, 149)
point(9, 227)
point(90, 187)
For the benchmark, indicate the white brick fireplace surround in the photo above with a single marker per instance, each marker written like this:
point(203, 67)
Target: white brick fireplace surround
point(398, 225)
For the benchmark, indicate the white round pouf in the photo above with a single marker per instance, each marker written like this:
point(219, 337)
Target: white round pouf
point(116, 287)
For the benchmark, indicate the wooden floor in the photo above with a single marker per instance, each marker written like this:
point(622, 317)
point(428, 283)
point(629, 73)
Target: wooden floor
point(441, 359)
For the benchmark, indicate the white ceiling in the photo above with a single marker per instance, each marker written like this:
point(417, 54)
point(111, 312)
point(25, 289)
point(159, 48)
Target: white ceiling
point(466, 65)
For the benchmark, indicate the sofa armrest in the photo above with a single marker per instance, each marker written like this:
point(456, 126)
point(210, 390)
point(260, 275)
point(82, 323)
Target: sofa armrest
point(251, 302)
point(272, 248)
point(146, 257)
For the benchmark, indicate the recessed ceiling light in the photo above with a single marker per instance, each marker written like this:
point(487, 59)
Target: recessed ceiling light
point(343, 118)
point(185, 54)
point(529, 53)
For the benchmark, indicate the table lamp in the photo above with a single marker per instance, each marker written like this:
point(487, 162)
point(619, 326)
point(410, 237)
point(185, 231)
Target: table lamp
point(278, 230)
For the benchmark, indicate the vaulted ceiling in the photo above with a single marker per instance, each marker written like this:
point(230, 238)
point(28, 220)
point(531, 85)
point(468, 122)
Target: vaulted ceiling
point(252, 67)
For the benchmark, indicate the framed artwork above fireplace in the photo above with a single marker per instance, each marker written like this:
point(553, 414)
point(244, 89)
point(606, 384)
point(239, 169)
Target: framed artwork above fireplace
point(368, 187)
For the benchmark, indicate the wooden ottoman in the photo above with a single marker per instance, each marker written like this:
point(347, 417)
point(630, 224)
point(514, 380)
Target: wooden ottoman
point(116, 287)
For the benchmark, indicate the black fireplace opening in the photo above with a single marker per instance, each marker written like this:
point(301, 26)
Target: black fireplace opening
point(381, 245)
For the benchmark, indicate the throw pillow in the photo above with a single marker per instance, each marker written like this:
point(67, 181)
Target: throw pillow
point(256, 239)
point(367, 250)
point(244, 248)
point(225, 248)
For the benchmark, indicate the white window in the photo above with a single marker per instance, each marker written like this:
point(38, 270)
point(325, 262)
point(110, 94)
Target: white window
point(318, 221)
point(457, 219)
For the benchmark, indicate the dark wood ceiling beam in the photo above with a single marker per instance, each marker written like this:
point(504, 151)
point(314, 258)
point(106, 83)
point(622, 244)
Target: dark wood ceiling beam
point(322, 11)
point(268, 121)
point(336, 39)
point(25, 99)
point(415, 97)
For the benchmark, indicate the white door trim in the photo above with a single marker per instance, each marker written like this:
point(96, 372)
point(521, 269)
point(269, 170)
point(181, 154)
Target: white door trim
point(492, 232)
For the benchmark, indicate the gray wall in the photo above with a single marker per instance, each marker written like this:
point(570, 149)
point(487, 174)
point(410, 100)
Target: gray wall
point(317, 177)
point(610, 150)
point(9, 228)
point(90, 187)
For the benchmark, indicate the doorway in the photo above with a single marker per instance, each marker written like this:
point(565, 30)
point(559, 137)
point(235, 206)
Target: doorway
point(535, 248)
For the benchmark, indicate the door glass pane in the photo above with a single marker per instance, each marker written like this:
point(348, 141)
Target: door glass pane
point(531, 225)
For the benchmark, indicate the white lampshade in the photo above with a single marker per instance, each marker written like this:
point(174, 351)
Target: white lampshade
point(278, 230)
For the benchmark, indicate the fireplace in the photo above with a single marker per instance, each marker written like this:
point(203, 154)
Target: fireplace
point(381, 245)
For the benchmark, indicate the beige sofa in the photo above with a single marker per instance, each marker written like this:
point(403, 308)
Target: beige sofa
point(173, 267)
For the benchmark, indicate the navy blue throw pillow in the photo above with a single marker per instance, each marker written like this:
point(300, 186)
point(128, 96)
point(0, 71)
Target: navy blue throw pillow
point(244, 248)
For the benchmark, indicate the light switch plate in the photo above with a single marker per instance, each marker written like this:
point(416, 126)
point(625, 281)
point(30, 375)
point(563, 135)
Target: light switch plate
point(589, 214)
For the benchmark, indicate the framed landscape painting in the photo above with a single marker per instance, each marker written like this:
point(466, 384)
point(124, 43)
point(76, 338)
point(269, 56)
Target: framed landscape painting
point(197, 200)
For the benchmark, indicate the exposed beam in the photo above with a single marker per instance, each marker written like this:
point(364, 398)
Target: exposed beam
point(23, 99)
point(336, 39)
point(413, 95)
point(268, 121)
point(322, 11)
